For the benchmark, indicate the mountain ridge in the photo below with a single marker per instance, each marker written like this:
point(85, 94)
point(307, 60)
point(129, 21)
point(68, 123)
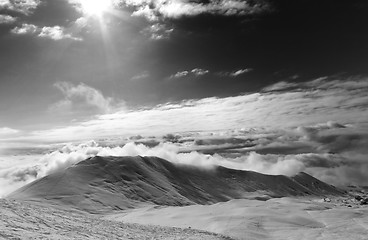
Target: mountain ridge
point(100, 184)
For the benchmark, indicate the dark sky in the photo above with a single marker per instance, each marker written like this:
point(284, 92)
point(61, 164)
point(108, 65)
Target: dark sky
point(64, 60)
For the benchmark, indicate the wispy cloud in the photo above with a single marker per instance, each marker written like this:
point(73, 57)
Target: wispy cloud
point(180, 74)
point(280, 86)
point(55, 33)
point(240, 72)
point(81, 98)
point(158, 31)
point(142, 75)
point(158, 9)
point(194, 72)
point(5, 131)
point(199, 71)
point(234, 73)
point(343, 101)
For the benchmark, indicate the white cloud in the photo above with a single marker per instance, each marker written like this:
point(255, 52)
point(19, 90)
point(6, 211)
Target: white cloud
point(25, 29)
point(320, 101)
point(7, 19)
point(323, 83)
point(81, 98)
point(180, 74)
point(25, 7)
point(142, 75)
point(235, 73)
point(145, 11)
point(156, 9)
point(8, 184)
point(240, 72)
point(280, 86)
point(5, 131)
point(347, 167)
point(55, 33)
point(81, 22)
point(286, 152)
point(194, 72)
point(199, 71)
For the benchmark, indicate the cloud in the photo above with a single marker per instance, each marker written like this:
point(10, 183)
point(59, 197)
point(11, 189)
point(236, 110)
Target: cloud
point(7, 19)
point(336, 138)
point(235, 73)
point(158, 31)
point(15, 177)
point(281, 86)
point(236, 149)
point(323, 84)
point(55, 33)
point(158, 9)
point(5, 131)
point(197, 72)
point(25, 29)
point(8, 185)
point(343, 175)
point(25, 7)
point(81, 22)
point(180, 74)
point(142, 75)
point(332, 152)
point(145, 11)
point(81, 98)
point(240, 72)
point(343, 101)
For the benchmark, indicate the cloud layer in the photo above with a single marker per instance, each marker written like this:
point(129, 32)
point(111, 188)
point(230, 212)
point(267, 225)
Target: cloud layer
point(331, 151)
point(278, 106)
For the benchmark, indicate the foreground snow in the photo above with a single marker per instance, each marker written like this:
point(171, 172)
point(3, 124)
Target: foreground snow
point(242, 219)
point(20, 220)
point(283, 218)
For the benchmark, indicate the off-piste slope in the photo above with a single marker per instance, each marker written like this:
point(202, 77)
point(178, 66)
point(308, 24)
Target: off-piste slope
point(21, 220)
point(114, 183)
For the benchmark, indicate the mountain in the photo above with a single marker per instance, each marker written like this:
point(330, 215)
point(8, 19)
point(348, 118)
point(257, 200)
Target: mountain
point(100, 184)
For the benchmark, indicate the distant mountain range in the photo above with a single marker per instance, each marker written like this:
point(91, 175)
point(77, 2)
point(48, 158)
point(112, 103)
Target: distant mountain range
point(102, 184)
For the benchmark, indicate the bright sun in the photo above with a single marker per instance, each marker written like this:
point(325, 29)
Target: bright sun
point(95, 7)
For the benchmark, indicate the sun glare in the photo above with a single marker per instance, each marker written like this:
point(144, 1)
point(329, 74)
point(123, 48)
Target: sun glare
point(95, 7)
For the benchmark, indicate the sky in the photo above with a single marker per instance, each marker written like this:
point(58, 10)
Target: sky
point(109, 70)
